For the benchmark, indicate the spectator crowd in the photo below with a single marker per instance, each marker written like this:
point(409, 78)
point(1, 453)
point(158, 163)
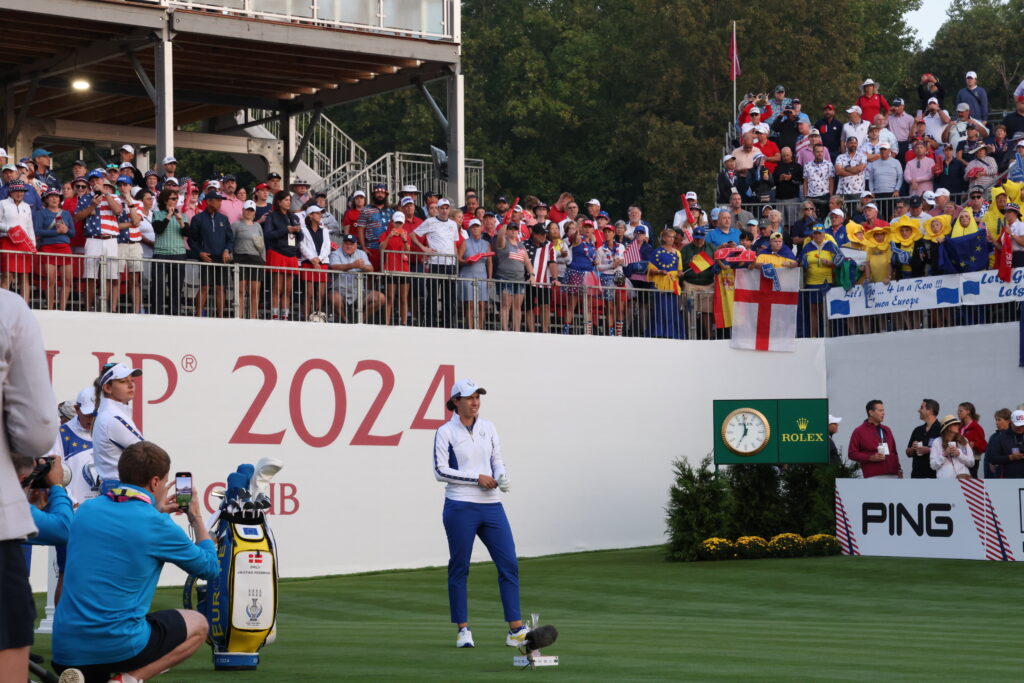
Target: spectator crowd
point(951, 447)
point(883, 189)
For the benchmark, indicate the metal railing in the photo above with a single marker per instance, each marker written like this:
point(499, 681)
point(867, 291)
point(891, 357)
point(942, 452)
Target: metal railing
point(424, 296)
point(396, 169)
point(330, 150)
point(428, 19)
point(791, 211)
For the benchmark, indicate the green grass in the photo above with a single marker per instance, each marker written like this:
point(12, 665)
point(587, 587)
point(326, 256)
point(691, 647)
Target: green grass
point(629, 615)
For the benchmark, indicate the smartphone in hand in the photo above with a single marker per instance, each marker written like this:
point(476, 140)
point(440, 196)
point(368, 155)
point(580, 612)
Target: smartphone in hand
point(183, 489)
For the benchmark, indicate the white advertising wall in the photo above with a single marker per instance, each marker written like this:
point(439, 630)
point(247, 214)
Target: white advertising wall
point(951, 365)
point(953, 518)
point(590, 426)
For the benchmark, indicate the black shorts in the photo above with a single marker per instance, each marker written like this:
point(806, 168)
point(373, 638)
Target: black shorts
point(167, 631)
point(17, 609)
point(537, 296)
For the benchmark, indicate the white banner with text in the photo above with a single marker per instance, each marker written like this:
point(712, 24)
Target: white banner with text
point(922, 293)
point(351, 410)
point(968, 519)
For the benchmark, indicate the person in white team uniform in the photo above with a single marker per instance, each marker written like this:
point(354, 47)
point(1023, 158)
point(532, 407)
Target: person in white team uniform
point(74, 446)
point(114, 429)
point(467, 458)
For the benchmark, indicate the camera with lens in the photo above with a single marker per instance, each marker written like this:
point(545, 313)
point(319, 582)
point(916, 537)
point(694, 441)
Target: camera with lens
point(620, 280)
point(36, 479)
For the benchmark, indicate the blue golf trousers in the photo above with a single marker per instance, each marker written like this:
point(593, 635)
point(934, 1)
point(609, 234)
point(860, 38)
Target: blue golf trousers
point(463, 522)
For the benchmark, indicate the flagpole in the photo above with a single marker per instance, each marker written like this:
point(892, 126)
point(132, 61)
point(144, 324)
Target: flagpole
point(732, 68)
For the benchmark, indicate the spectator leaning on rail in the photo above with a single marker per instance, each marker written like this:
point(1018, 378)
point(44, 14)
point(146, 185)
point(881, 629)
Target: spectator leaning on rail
point(873, 446)
point(102, 628)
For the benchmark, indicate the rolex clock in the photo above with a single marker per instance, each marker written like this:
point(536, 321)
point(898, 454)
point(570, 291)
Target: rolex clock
point(746, 431)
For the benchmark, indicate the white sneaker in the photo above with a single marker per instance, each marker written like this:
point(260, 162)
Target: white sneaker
point(72, 676)
point(465, 638)
point(517, 638)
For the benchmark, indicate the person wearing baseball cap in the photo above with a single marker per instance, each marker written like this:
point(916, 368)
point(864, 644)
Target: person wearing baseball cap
point(441, 234)
point(43, 160)
point(831, 130)
point(16, 235)
point(975, 97)
point(213, 241)
point(170, 167)
point(467, 459)
point(1015, 227)
point(114, 428)
point(728, 180)
point(834, 456)
point(1005, 454)
point(855, 127)
point(126, 166)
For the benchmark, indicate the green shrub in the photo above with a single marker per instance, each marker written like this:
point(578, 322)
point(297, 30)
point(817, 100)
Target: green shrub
point(751, 547)
point(786, 545)
point(822, 544)
point(698, 502)
point(716, 549)
point(756, 502)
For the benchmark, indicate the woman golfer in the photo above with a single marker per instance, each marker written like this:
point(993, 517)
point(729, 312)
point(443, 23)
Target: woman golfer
point(467, 457)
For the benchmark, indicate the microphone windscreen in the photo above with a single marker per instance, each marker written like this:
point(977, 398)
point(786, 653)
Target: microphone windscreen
point(541, 637)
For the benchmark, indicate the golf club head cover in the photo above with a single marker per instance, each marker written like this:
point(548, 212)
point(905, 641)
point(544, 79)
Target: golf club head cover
point(541, 637)
point(265, 470)
point(238, 484)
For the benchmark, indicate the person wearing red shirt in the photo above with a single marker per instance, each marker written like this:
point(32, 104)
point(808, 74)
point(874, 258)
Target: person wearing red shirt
point(355, 207)
point(769, 149)
point(870, 102)
point(557, 211)
point(394, 247)
point(873, 446)
point(973, 432)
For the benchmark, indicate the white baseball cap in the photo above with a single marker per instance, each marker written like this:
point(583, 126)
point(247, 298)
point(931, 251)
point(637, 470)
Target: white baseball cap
point(169, 160)
point(443, 202)
point(942, 192)
point(475, 221)
point(853, 110)
point(838, 212)
point(867, 81)
point(1020, 143)
point(358, 193)
point(933, 99)
point(884, 145)
point(398, 217)
point(928, 196)
point(119, 371)
point(314, 209)
point(833, 420)
point(406, 201)
point(963, 106)
point(128, 148)
point(86, 401)
point(249, 204)
point(971, 74)
point(727, 157)
point(871, 205)
point(691, 195)
point(1017, 418)
point(3, 153)
point(410, 189)
point(593, 201)
point(754, 110)
point(467, 387)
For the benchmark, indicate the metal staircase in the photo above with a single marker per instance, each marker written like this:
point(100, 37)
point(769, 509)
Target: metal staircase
point(336, 164)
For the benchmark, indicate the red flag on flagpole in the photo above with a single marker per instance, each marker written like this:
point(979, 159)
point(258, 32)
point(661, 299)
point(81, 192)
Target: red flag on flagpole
point(734, 57)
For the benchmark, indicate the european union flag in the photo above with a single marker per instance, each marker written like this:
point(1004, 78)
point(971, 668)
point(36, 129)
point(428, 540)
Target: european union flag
point(971, 287)
point(839, 307)
point(947, 295)
point(964, 254)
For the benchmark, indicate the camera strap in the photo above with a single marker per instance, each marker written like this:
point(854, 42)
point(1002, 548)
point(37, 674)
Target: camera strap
point(122, 494)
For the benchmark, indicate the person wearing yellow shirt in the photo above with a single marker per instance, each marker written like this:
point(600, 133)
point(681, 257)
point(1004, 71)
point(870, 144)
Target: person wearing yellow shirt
point(778, 254)
point(818, 259)
point(964, 225)
point(879, 264)
point(994, 220)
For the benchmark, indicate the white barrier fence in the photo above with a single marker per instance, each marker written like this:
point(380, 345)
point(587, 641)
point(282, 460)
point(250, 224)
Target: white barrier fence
point(969, 519)
point(351, 411)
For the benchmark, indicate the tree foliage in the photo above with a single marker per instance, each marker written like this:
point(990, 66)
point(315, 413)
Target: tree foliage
point(627, 100)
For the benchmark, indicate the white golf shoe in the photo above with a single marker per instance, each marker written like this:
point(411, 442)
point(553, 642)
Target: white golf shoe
point(517, 637)
point(465, 638)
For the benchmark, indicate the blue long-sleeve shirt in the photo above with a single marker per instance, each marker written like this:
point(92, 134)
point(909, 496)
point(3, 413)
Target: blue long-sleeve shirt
point(115, 555)
point(46, 233)
point(54, 522)
point(977, 100)
point(212, 234)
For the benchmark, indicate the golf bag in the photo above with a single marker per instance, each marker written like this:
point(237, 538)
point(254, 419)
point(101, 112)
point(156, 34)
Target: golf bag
point(241, 605)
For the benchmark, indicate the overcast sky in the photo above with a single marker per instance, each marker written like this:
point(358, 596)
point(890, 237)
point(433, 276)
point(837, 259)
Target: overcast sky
point(928, 19)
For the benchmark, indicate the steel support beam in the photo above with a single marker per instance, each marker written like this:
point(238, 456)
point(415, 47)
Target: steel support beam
point(438, 114)
point(287, 133)
point(147, 84)
point(87, 55)
point(456, 136)
point(306, 136)
point(164, 91)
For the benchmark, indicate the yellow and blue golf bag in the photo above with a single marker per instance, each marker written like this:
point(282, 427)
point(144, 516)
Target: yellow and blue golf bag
point(241, 605)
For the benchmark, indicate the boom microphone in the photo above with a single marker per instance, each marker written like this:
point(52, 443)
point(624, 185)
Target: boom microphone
point(541, 637)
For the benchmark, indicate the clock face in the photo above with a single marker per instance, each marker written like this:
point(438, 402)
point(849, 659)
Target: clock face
point(745, 431)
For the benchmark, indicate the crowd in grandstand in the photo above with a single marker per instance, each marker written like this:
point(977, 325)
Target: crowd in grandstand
point(881, 191)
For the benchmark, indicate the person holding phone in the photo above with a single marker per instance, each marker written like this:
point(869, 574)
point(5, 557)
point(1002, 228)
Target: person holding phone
point(119, 544)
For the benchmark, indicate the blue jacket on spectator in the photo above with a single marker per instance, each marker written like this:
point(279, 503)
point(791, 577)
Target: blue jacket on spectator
point(54, 522)
point(116, 552)
point(275, 233)
point(46, 233)
point(211, 234)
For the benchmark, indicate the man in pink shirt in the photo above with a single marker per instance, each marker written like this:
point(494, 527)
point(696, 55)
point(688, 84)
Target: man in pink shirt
point(873, 446)
point(230, 206)
point(920, 170)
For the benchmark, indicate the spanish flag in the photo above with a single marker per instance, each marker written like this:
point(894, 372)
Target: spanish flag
point(725, 287)
point(701, 262)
